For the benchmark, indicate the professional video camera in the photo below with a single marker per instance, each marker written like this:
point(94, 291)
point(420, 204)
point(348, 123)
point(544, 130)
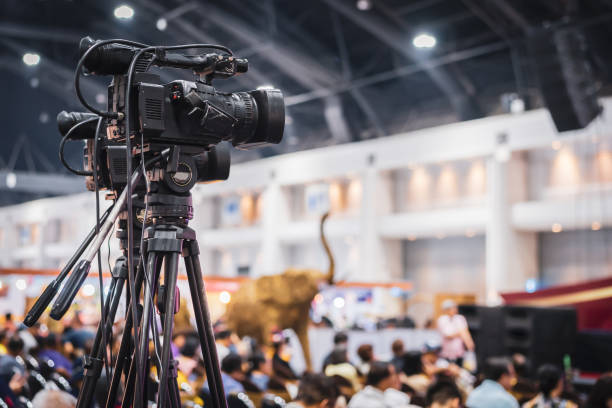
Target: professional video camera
point(192, 115)
point(173, 135)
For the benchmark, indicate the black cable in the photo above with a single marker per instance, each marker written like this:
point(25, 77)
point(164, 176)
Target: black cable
point(103, 316)
point(144, 220)
point(130, 227)
point(77, 76)
point(61, 149)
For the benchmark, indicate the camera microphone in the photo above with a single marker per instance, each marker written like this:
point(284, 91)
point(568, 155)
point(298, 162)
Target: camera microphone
point(108, 59)
point(67, 120)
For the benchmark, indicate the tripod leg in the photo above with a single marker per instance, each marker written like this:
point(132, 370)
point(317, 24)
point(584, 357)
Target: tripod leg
point(208, 362)
point(123, 355)
point(93, 362)
point(170, 276)
point(173, 388)
point(203, 322)
point(143, 347)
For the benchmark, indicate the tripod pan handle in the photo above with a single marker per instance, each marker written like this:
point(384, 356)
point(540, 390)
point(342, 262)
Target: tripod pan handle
point(41, 304)
point(68, 293)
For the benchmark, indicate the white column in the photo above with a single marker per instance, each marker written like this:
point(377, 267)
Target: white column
point(273, 216)
point(498, 230)
point(376, 200)
point(511, 256)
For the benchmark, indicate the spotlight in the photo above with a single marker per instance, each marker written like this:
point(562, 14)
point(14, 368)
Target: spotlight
point(424, 41)
point(556, 227)
point(124, 12)
point(21, 284)
point(596, 225)
point(364, 5)
point(225, 297)
point(338, 302)
point(161, 24)
point(517, 106)
point(31, 59)
point(11, 181)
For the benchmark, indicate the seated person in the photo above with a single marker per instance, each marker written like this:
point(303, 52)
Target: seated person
point(493, 392)
point(282, 373)
point(233, 377)
point(381, 390)
point(413, 373)
point(550, 386)
point(54, 399)
point(339, 365)
point(443, 394)
point(260, 370)
point(601, 393)
point(366, 355)
point(316, 391)
point(50, 351)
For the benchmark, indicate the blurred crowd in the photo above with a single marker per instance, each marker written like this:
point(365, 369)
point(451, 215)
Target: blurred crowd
point(42, 366)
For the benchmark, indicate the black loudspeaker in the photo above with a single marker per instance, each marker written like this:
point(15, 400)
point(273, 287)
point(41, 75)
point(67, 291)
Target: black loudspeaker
point(543, 335)
point(485, 325)
point(594, 351)
point(565, 77)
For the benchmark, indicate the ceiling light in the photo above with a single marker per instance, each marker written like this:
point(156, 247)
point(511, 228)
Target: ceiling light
point(556, 227)
point(517, 105)
point(11, 180)
point(596, 225)
point(34, 82)
point(31, 58)
point(424, 41)
point(124, 12)
point(225, 297)
point(161, 24)
point(364, 5)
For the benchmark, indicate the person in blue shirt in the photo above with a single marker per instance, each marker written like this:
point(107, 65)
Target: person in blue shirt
point(493, 392)
point(233, 377)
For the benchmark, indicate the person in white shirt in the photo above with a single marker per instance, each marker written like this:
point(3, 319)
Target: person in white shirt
point(456, 338)
point(381, 390)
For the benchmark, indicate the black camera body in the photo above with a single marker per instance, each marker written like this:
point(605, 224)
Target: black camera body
point(194, 119)
point(196, 114)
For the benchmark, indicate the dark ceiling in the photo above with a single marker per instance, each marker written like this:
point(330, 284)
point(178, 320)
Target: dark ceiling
point(348, 74)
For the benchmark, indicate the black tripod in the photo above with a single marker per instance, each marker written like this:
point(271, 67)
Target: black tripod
point(165, 238)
